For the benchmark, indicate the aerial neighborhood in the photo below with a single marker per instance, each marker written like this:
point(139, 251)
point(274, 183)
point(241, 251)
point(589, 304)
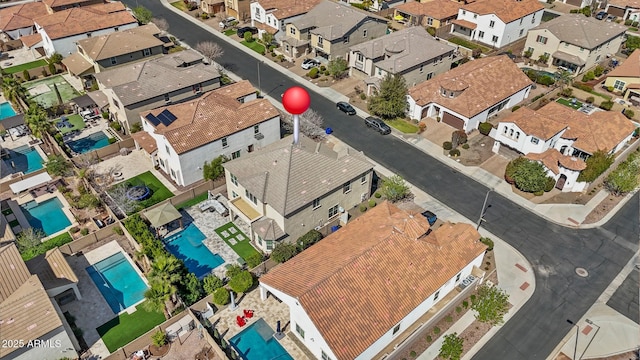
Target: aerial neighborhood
point(324, 179)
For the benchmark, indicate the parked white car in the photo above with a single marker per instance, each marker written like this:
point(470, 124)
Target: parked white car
point(227, 22)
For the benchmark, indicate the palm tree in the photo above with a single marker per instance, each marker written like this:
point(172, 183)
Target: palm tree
point(38, 121)
point(157, 296)
point(564, 78)
point(166, 268)
point(13, 91)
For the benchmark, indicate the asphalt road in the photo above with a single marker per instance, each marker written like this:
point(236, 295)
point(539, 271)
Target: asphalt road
point(554, 251)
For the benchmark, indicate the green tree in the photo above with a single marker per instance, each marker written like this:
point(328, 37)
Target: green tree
point(624, 178)
point(390, 102)
point(221, 296)
point(13, 91)
point(283, 252)
point(242, 282)
point(57, 165)
point(233, 270)
point(563, 78)
point(267, 38)
point(254, 260)
point(338, 67)
point(211, 283)
point(55, 59)
point(135, 128)
point(394, 188)
point(490, 305)
point(192, 290)
point(248, 36)
point(38, 121)
point(142, 14)
point(214, 170)
point(166, 268)
point(530, 176)
point(451, 347)
point(597, 163)
point(29, 238)
point(632, 42)
point(157, 295)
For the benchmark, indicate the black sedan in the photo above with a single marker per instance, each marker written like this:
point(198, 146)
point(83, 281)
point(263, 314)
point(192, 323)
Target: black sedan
point(346, 108)
point(243, 30)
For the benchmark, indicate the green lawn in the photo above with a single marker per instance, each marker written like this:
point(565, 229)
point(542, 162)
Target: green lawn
point(468, 44)
point(568, 103)
point(403, 125)
point(255, 46)
point(230, 32)
point(125, 328)
point(198, 199)
point(243, 247)
point(75, 120)
point(25, 66)
point(180, 5)
point(159, 191)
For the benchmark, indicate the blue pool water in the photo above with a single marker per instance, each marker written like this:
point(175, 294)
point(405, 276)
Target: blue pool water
point(118, 282)
point(187, 246)
point(24, 158)
point(94, 141)
point(47, 215)
point(257, 343)
point(540, 72)
point(6, 110)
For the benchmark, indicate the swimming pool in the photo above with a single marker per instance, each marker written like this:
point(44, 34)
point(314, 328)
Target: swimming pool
point(6, 110)
point(257, 343)
point(47, 215)
point(24, 158)
point(94, 141)
point(118, 282)
point(540, 72)
point(187, 246)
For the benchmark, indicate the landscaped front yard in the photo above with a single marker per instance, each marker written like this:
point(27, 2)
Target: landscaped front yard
point(237, 240)
point(403, 125)
point(230, 32)
point(125, 328)
point(255, 46)
point(180, 5)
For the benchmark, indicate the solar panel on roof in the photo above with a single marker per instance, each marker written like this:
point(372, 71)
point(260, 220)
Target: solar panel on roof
point(164, 119)
point(154, 121)
point(169, 115)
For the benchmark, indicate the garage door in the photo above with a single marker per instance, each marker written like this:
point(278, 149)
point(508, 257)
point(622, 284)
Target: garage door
point(574, 2)
point(615, 11)
point(452, 120)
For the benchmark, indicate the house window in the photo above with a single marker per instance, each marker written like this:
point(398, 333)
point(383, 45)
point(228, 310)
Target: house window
point(320, 41)
point(541, 39)
point(533, 19)
point(316, 203)
point(173, 174)
point(534, 140)
point(224, 142)
point(259, 240)
point(530, 49)
point(286, 47)
point(517, 135)
point(333, 211)
point(429, 76)
point(511, 133)
point(269, 245)
point(492, 23)
point(396, 329)
point(480, 34)
point(166, 147)
point(364, 33)
point(475, 16)
point(421, 68)
point(166, 98)
point(436, 295)
point(146, 52)
point(250, 196)
point(235, 154)
point(292, 30)
point(464, 12)
point(116, 28)
point(581, 49)
point(566, 45)
point(346, 188)
point(619, 85)
point(113, 60)
point(196, 88)
point(505, 130)
point(325, 356)
point(363, 179)
point(234, 180)
point(256, 129)
point(521, 32)
point(521, 20)
point(161, 162)
point(494, 38)
point(345, 40)
point(360, 57)
point(234, 194)
point(458, 277)
point(300, 331)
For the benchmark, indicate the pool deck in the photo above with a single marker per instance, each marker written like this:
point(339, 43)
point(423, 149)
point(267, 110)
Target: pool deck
point(26, 197)
point(10, 144)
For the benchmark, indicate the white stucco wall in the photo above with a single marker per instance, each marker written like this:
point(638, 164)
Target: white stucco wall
point(67, 45)
point(17, 33)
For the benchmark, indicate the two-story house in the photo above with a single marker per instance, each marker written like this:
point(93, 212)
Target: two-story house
point(497, 22)
point(625, 78)
point(471, 93)
point(212, 7)
point(228, 121)
point(437, 14)
point(272, 16)
point(285, 189)
point(59, 5)
point(240, 9)
point(410, 52)
point(61, 30)
point(622, 8)
point(364, 289)
point(562, 138)
point(574, 42)
point(95, 54)
point(147, 85)
point(17, 21)
point(329, 29)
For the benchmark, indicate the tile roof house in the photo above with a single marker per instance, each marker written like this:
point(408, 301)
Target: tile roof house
point(95, 54)
point(622, 8)
point(273, 16)
point(625, 78)
point(387, 269)
point(229, 121)
point(146, 85)
point(59, 5)
point(329, 29)
point(410, 52)
point(17, 21)
point(61, 30)
point(497, 22)
point(285, 190)
point(563, 138)
point(460, 98)
point(437, 14)
point(28, 314)
point(575, 42)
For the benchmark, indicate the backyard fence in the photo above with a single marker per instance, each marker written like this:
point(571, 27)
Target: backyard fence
point(4, 186)
point(106, 151)
point(90, 239)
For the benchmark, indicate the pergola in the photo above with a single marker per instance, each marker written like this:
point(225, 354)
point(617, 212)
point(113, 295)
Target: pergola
point(163, 215)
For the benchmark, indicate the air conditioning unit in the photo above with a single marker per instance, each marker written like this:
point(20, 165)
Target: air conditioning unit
point(467, 281)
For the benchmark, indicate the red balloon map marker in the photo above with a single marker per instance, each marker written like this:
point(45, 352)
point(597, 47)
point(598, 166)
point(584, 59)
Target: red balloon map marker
point(296, 101)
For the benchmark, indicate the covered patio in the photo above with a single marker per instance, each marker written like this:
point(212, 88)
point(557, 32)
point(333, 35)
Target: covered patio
point(162, 216)
point(567, 61)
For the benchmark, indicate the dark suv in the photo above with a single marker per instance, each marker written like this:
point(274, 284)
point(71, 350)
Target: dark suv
point(377, 124)
point(250, 29)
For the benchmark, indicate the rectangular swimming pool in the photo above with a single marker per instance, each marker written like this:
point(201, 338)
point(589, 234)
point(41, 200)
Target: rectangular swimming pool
point(118, 282)
point(47, 215)
point(6, 110)
point(94, 141)
point(24, 158)
point(187, 246)
point(257, 343)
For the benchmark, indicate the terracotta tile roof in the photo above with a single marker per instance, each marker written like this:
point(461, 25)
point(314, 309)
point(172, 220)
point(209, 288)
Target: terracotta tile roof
point(53, 269)
point(27, 314)
point(534, 123)
point(389, 266)
point(552, 159)
point(145, 141)
point(108, 7)
point(579, 30)
point(21, 16)
point(437, 9)
point(629, 68)
point(213, 116)
point(58, 3)
point(13, 271)
point(77, 64)
point(121, 42)
point(283, 9)
point(288, 176)
point(504, 77)
point(76, 21)
point(31, 40)
point(635, 4)
point(271, 30)
point(464, 23)
point(506, 10)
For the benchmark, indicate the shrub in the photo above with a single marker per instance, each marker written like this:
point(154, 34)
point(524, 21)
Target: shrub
point(221, 296)
point(112, 140)
point(447, 145)
point(308, 239)
point(84, 231)
point(551, 182)
point(487, 241)
point(115, 125)
point(610, 88)
point(26, 75)
point(458, 309)
point(590, 100)
point(429, 339)
point(313, 73)
point(473, 298)
point(485, 128)
point(448, 319)
point(377, 195)
point(588, 76)
point(211, 283)
point(606, 105)
point(515, 108)
point(538, 193)
point(395, 188)
point(44, 73)
point(459, 137)
point(412, 354)
point(248, 36)
point(323, 68)
point(628, 113)
point(254, 260)
point(204, 16)
point(159, 338)
point(58, 137)
point(118, 230)
point(363, 96)
point(105, 115)
point(241, 282)
point(422, 126)
point(546, 80)
point(233, 270)
point(598, 71)
point(567, 92)
point(454, 152)
point(372, 203)
point(74, 229)
point(363, 208)
point(431, 30)
point(465, 146)
point(52, 68)
point(543, 102)
point(436, 330)
point(283, 252)
point(465, 304)
point(597, 163)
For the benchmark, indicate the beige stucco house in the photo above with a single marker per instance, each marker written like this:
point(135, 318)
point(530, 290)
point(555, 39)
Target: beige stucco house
point(437, 14)
point(285, 190)
point(574, 42)
point(626, 78)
